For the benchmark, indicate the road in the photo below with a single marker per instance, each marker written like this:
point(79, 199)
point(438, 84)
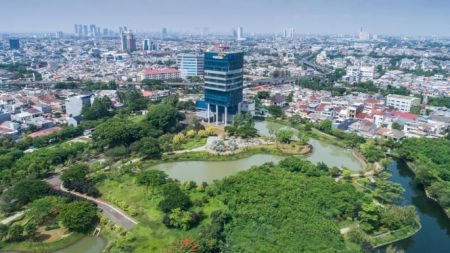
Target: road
point(12, 218)
point(116, 215)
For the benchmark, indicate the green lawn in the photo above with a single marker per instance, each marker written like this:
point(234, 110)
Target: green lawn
point(193, 143)
point(150, 235)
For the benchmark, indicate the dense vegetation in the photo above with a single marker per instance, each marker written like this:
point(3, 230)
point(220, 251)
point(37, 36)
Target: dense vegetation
point(21, 71)
point(431, 165)
point(444, 101)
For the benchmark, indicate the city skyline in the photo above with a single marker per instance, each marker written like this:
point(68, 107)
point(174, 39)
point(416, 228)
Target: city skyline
point(402, 17)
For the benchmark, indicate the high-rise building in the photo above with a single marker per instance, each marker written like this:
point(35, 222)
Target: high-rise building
point(127, 41)
point(154, 46)
point(240, 33)
point(223, 73)
point(363, 35)
point(14, 44)
point(190, 65)
point(75, 29)
point(164, 32)
point(85, 30)
point(288, 33)
point(146, 45)
point(92, 30)
point(59, 34)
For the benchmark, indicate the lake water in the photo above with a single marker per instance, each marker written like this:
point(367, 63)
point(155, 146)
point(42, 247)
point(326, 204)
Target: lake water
point(435, 233)
point(208, 171)
point(329, 154)
point(88, 244)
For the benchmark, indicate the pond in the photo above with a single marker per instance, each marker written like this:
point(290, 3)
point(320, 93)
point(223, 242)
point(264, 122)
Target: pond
point(88, 244)
point(435, 233)
point(329, 154)
point(208, 171)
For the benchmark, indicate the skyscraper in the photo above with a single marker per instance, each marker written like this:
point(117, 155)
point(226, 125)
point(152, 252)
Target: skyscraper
point(127, 41)
point(14, 44)
point(288, 33)
point(164, 32)
point(240, 33)
point(146, 45)
point(223, 70)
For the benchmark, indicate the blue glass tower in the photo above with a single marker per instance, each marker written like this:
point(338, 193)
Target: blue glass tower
point(223, 83)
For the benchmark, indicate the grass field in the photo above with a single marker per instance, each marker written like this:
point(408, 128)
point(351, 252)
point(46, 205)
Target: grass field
point(150, 235)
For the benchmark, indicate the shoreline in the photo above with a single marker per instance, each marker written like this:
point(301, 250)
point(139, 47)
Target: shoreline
point(411, 166)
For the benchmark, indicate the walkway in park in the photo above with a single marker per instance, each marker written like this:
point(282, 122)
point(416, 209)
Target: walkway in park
point(116, 215)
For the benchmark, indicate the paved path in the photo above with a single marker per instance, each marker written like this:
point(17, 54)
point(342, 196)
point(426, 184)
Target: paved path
point(12, 218)
point(116, 215)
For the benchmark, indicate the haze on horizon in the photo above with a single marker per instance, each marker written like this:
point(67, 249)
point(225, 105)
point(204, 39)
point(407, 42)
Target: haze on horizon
point(394, 17)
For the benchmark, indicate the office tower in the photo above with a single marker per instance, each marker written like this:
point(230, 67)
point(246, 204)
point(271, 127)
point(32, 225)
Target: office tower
point(80, 30)
point(127, 41)
point(105, 31)
point(75, 29)
point(190, 65)
point(363, 35)
point(240, 33)
point(59, 34)
point(146, 45)
point(14, 44)
point(1, 45)
point(92, 30)
point(288, 33)
point(164, 33)
point(223, 71)
point(123, 41)
point(85, 30)
point(154, 46)
point(291, 33)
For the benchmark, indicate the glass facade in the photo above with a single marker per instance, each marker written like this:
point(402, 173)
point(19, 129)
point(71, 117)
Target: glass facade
point(190, 65)
point(224, 80)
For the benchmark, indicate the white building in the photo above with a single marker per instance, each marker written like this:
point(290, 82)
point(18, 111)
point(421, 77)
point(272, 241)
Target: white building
point(75, 104)
point(190, 65)
point(160, 74)
point(402, 103)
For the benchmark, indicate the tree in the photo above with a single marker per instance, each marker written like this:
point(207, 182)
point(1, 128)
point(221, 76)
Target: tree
point(284, 135)
point(397, 126)
point(24, 192)
point(369, 215)
point(243, 126)
point(79, 216)
point(173, 198)
point(178, 218)
point(152, 179)
point(178, 139)
point(117, 132)
point(325, 126)
point(263, 94)
point(395, 217)
point(31, 230)
point(100, 108)
point(75, 172)
point(164, 117)
point(149, 148)
point(44, 208)
point(3, 231)
point(303, 137)
point(15, 232)
point(275, 111)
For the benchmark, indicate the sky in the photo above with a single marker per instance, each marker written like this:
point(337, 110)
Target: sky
point(388, 17)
